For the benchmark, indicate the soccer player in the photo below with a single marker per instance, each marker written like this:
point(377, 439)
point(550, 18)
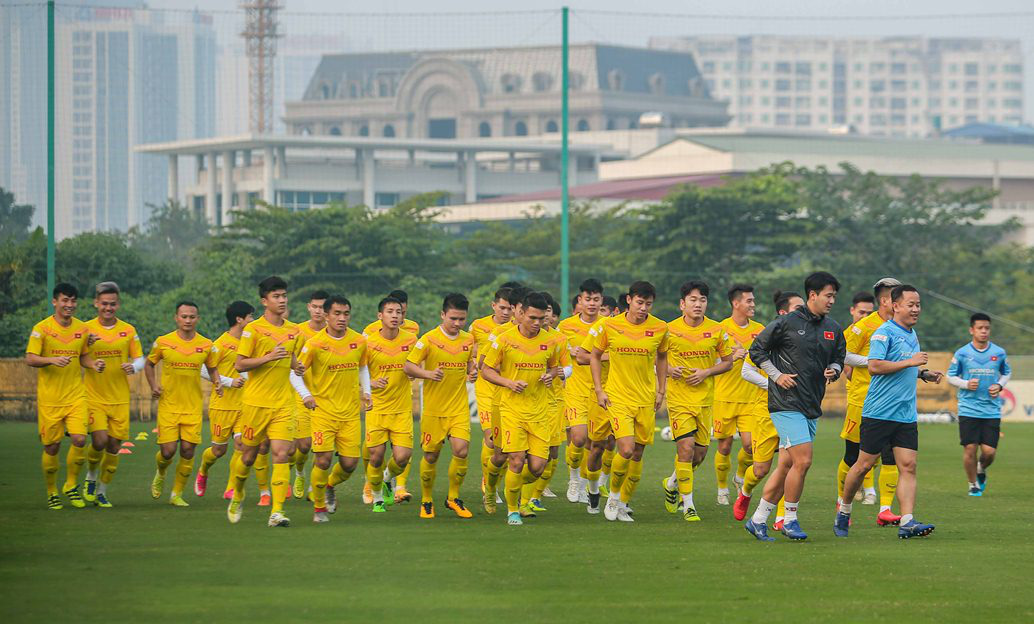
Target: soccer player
point(857, 338)
point(801, 352)
point(523, 364)
point(268, 353)
point(408, 325)
point(698, 350)
point(980, 371)
point(735, 399)
point(302, 412)
point(336, 358)
point(182, 353)
point(58, 348)
point(107, 390)
point(889, 416)
point(224, 412)
point(445, 358)
point(637, 343)
point(391, 417)
point(578, 392)
point(609, 306)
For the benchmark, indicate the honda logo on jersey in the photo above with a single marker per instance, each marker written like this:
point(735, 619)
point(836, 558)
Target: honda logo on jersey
point(827, 335)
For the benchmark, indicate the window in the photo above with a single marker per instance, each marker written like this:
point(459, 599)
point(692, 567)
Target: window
point(616, 80)
point(385, 200)
point(541, 81)
point(583, 125)
point(802, 68)
point(877, 86)
point(708, 67)
point(745, 83)
point(782, 102)
point(551, 126)
point(575, 80)
point(877, 102)
point(898, 86)
point(898, 68)
point(972, 103)
point(972, 69)
point(782, 67)
point(389, 131)
point(1012, 86)
point(484, 129)
point(802, 120)
point(802, 102)
point(783, 84)
point(364, 130)
point(335, 131)
point(802, 85)
point(511, 83)
point(898, 103)
point(782, 119)
point(972, 86)
point(520, 129)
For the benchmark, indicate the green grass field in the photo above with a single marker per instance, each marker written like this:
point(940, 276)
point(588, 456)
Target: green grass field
point(149, 562)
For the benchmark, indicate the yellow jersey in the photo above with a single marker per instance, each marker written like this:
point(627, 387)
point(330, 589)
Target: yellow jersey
point(116, 345)
point(731, 387)
point(334, 364)
point(407, 326)
point(225, 350)
point(526, 359)
point(268, 385)
point(694, 347)
point(483, 329)
point(633, 351)
point(857, 336)
point(434, 349)
point(577, 331)
point(181, 370)
point(306, 333)
point(565, 360)
point(387, 359)
point(59, 386)
point(604, 365)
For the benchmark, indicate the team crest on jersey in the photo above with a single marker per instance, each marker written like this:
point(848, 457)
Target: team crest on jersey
point(827, 335)
point(352, 346)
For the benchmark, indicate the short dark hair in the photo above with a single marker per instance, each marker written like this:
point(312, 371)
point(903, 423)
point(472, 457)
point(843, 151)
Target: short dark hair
point(518, 294)
point(185, 302)
point(590, 286)
point(455, 301)
point(690, 286)
point(318, 294)
point(503, 293)
point(899, 291)
point(552, 302)
point(622, 302)
point(400, 295)
point(538, 300)
point(738, 289)
point(818, 281)
point(385, 301)
point(782, 298)
point(642, 289)
point(862, 297)
point(270, 284)
point(574, 300)
point(978, 316)
point(338, 299)
point(610, 302)
point(512, 284)
point(236, 310)
point(66, 289)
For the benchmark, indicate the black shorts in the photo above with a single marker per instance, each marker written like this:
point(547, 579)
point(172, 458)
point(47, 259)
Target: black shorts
point(979, 431)
point(875, 435)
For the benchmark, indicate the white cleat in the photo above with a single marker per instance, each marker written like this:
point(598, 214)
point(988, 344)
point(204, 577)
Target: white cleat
point(320, 517)
point(611, 509)
point(870, 498)
point(331, 498)
point(574, 486)
point(548, 493)
point(234, 511)
point(278, 519)
point(723, 497)
point(583, 497)
point(625, 516)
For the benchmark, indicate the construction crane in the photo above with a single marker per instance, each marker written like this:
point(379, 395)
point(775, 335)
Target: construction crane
point(261, 30)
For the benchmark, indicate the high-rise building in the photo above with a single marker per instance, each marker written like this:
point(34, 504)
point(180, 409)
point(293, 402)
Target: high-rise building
point(893, 86)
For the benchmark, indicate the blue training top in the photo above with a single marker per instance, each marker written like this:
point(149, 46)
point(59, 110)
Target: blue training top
point(988, 366)
point(893, 397)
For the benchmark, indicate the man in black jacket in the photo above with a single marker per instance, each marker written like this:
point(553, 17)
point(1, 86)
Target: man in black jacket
point(801, 352)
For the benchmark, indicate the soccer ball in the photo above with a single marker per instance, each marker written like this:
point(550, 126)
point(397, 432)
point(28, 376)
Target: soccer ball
point(666, 433)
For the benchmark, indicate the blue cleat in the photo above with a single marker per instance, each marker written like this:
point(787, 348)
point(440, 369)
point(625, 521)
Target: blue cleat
point(514, 519)
point(759, 531)
point(793, 530)
point(974, 490)
point(914, 529)
point(841, 524)
point(982, 480)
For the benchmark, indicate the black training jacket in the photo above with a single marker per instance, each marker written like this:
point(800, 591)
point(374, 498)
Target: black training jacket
point(804, 344)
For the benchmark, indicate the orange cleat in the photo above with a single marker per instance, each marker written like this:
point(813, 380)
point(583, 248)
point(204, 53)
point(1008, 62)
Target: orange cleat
point(265, 500)
point(402, 495)
point(367, 493)
point(228, 494)
point(777, 525)
point(740, 507)
point(457, 506)
point(427, 510)
point(888, 518)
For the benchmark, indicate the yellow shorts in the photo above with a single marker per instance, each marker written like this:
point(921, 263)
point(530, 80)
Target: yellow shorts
point(599, 423)
point(764, 439)
point(559, 425)
point(852, 423)
point(54, 421)
point(394, 427)
point(526, 435)
point(631, 420)
point(732, 417)
point(173, 426)
point(576, 410)
point(332, 434)
point(483, 398)
point(691, 421)
point(435, 429)
point(222, 424)
point(111, 418)
point(302, 421)
point(259, 424)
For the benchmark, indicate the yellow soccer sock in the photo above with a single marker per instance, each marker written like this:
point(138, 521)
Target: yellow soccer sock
point(93, 460)
point(514, 484)
point(74, 465)
point(208, 460)
point(294, 456)
point(781, 508)
point(750, 481)
point(280, 486)
point(457, 473)
point(162, 463)
point(337, 475)
point(184, 468)
point(528, 490)
point(428, 472)
point(744, 460)
point(583, 472)
point(842, 470)
point(888, 485)
point(619, 470)
point(684, 475)
point(635, 472)
point(486, 454)
point(547, 473)
point(592, 475)
point(234, 460)
point(867, 481)
point(51, 464)
point(492, 477)
point(319, 478)
point(400, 481)
point(374, 476)
point(608, 461)
point(574, 455)
point(722, 465)
point(393, 467)
point(109, 465)
point(300, 458)
point(261, 467)
point(238, 477)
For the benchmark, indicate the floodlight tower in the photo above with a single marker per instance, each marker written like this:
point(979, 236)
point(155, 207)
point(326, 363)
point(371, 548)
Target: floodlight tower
point(261, 30)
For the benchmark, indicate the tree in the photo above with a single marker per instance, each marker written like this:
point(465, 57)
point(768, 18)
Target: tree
point(170, 233)
point(15, 220)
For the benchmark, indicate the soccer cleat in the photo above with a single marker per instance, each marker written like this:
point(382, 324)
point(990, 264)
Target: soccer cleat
point(548, 493)
point(54, 502)
point(427, 510)
point(671, 497)
point(605, 490)
point(319, 516)
point(265, 500)
point(402, 495)
point(914, 529)
point(859, 496)
point(102, 501)
point(982, 480)
point(157, 485)
point(90, 491)
point(75, 499)
point(331, 499)
point(758, 530)
point(741, 506)
point(457, 506)
point(201, 485)
point(234, 511)
point(574, 486)
point(887, 518)
point(841, 524)
point(690, 515)
point(610, 510)
point(378, 507)
point(488, 502)
point(869, 498)
point(299, 486)
point(278, 519)
point(228, 494)
point(594, 503)
point(176, 500)
point(535, 505)
point(624, 515)
point(367, 493)
point(792, 529)
point(514, 519)
point(388, 491)
point(777, 525)
point(583, 496)
point(974, 490)
point(526, 511)
point(723, 497)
